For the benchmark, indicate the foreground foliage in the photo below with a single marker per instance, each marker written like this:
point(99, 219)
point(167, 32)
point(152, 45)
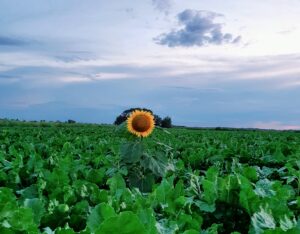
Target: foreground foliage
point(58, 178)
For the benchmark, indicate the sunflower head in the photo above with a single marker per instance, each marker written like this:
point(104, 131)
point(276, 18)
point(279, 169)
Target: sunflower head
point(140, 123)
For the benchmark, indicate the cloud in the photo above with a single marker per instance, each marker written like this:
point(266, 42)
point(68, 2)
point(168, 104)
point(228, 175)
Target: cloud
point(11, 41)
point(276, 125)
point(272, 72)
point(162, 5)
point(272, 76)
point(199, 29)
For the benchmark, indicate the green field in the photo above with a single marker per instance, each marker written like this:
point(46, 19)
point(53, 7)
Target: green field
point(75, 178)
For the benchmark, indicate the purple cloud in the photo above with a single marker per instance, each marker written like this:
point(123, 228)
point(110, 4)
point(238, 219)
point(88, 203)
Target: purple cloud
point(199, 29)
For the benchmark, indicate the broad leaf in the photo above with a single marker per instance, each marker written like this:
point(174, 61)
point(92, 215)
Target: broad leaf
point(126, 223)
point(100, 213)
point(131, 152)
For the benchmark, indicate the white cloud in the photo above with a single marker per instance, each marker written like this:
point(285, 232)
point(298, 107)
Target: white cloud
point(111, 76)
point(279, 72)
point(70, 79)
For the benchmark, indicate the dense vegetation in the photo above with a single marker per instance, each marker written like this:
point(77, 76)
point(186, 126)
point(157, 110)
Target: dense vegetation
point(69, 178)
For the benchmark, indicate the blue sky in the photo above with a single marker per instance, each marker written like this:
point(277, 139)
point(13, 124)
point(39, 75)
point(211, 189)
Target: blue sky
point(204, 63)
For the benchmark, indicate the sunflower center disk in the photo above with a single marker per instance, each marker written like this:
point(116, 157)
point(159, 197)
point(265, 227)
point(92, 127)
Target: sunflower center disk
point(141, 123)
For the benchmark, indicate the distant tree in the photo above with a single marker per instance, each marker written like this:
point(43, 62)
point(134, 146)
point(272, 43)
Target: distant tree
point(157, 120)
point(166, 122)
point(125, 114)
point(120, 119)
point(70, 121)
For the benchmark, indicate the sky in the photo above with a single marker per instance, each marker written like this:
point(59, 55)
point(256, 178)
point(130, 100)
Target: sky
point(204, 63)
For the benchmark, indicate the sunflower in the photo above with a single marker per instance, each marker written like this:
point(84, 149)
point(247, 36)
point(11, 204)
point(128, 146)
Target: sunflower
point(140, 123)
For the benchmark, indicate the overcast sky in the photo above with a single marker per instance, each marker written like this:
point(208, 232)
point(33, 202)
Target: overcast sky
point(203, 62)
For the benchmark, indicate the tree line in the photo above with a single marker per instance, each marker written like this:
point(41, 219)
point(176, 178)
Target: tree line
point(165, 122)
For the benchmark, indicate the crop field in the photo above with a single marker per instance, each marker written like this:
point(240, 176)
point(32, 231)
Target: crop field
point(85, 178)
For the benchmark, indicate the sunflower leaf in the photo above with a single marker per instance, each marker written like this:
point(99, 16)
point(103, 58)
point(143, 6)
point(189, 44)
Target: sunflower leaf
point(158, 166)
point(144, 183)
point(131, 152)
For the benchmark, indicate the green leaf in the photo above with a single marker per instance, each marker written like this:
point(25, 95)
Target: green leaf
point(166, 226)
point(264, 188)
point(22, 220)
point(4, 230)
point(126, 223)
point(6, 196)
point(29, 192)
point(37, 207)
point(192, 231)
point(250, 173)
point(212, 174)
point(144, 184)
point(227, 187)
point(147, 217)
point(8, 203)
point(100, 213)
point(247, 197)
point(96, 175)
point(131, 152)
point(204, 206)
point(162, 192)
point(265, 171)
point(210, 191)
point(63, 208)
point(58, 178)
point(116, 183)
point(158, 166)
point(186, 221)
point(213, 229)
point(180, 201)
point(3, 177)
